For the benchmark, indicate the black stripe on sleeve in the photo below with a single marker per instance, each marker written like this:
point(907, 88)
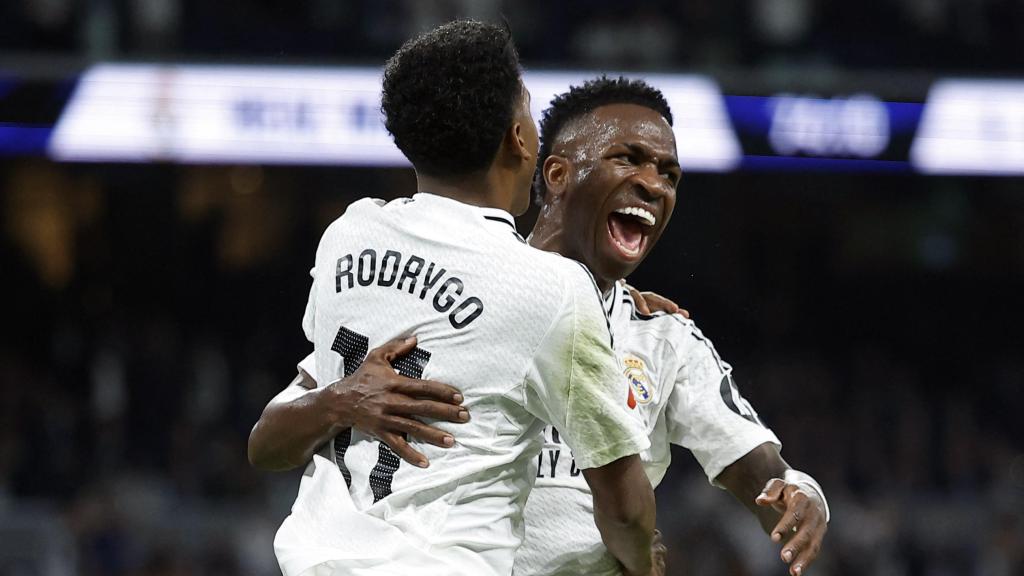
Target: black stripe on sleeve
point(600, 301)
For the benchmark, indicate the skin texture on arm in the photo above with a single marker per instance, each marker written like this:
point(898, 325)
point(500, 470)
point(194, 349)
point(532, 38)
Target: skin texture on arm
point(374, 399)
point(756, 480)
point(624, 511)
point(293, 425)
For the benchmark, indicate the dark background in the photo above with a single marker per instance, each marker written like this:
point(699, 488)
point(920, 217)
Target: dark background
point(150, 311)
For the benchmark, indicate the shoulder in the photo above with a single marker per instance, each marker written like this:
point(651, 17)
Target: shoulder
point(686, 340)
point(675, 329)
point(360, 210)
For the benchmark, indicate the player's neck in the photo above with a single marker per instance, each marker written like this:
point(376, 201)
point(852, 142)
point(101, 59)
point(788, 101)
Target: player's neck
point(549, 235)
point(476, 189)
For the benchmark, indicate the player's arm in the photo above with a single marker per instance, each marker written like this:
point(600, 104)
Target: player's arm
point(374, 399)
point(789, 504)
point(624, 511)
point(707, 415)
point(579, 389)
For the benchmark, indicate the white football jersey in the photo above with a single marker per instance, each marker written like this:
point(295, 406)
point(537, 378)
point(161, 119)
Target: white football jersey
point(681, 393)
point(520, 332)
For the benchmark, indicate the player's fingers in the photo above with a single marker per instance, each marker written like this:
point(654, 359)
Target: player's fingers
point(638, 299)
point(431, 409)
point(659, 303)
point(404, 451)
point(420, 431)
point(796, 545)
point(808, 554)
point(395, 348)
point(790, 521)
point(804, 543)
point(684, 312)
point(429, 389)
point(772, 492)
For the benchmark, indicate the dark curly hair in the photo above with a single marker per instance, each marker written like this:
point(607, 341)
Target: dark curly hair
point(450, 94)
point(580, 100)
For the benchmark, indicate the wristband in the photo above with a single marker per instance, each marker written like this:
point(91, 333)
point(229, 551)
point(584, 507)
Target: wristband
point(805, 480)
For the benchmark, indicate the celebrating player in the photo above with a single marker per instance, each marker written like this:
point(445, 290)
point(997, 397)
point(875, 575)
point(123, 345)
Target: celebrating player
point(520, 332)
point(607, 190)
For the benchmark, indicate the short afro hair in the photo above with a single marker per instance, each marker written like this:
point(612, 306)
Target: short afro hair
point(450, 94)
point(580, 100)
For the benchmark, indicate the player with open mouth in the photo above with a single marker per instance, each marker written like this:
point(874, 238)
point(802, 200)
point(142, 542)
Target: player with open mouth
point(606, 190)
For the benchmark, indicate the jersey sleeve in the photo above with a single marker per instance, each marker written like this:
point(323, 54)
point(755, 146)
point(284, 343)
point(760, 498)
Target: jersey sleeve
point(706, 413)
point(308, 366)
point(575, 384)
point(309, 316)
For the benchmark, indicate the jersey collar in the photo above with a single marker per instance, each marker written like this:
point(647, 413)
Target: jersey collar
point(619, 306)
point(494, 219)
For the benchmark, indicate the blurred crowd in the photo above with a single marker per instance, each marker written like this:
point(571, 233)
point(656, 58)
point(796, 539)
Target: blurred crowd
point(151, 311)
point(948, 35)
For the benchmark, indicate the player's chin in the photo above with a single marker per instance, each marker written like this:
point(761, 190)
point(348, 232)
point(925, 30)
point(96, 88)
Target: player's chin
point(616, 263)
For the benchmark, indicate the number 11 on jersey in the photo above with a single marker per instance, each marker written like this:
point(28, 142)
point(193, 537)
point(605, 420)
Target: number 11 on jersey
point(353, 347)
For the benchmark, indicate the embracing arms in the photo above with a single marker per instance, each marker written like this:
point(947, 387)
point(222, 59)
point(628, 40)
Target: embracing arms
point(374, 399)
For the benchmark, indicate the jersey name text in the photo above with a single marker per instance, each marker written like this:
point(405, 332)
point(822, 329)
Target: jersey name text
point(389, 272)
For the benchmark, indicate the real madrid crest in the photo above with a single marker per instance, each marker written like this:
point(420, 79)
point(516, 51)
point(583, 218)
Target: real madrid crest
point(640, 391)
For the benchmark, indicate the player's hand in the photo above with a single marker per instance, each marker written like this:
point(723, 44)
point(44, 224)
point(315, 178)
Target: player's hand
point(658, 554)
point(380, 402)
point(802, 526)
point(648, 302)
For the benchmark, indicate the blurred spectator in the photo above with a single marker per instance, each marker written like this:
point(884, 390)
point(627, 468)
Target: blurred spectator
point(174, 317)
point(933, 34)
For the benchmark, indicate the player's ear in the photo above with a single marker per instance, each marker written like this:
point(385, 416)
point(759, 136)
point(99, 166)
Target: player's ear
point(515, 140)
point(556, 174)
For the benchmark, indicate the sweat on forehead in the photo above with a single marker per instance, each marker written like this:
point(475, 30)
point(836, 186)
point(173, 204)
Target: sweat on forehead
point(614, 124)
point(581, 101)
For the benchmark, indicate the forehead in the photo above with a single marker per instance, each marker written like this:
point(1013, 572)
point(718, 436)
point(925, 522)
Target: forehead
point(614, 124)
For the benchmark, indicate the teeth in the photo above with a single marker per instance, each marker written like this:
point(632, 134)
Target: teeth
point(644, 215)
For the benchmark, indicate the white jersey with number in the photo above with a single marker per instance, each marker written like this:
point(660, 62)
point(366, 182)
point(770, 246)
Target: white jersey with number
point(520, 332)
point(681, 393)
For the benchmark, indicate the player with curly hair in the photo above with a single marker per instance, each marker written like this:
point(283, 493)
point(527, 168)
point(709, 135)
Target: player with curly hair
point(606, 190)
point(519, 332)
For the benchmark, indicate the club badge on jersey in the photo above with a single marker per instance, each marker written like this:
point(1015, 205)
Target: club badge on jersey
point(640, 390)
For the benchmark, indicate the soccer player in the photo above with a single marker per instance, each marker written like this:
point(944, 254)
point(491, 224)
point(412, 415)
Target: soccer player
point(607, 188)
point(520, 332)
point(606, 191)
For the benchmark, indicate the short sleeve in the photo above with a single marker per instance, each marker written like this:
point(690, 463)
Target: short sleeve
point(309, 317)
point(575, 384)
point(308, 367)
point(706, 413)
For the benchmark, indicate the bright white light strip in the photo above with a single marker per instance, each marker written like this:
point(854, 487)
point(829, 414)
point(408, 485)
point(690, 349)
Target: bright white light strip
point(972, 127)
point(139, 113)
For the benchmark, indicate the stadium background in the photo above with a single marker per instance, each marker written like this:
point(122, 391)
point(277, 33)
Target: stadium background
point(872, 312)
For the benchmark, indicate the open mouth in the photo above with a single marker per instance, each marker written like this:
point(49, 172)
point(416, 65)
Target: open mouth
point(628, 229)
